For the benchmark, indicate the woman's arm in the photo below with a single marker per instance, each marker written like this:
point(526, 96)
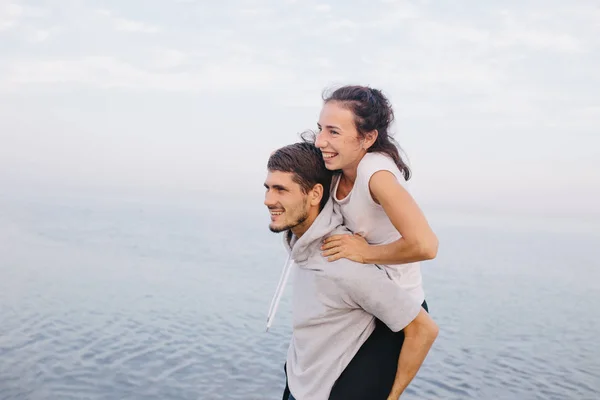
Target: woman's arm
point(418, 241)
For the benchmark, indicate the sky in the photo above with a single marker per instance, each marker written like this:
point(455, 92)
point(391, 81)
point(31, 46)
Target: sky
point(496, 103)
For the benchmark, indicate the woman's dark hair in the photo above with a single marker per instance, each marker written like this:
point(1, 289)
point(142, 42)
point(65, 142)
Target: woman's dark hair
point(372, 111)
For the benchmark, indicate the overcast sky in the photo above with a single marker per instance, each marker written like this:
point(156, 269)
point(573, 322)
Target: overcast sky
point(497, 103)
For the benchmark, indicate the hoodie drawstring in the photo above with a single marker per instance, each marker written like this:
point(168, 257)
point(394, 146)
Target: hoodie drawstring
point(279, 291)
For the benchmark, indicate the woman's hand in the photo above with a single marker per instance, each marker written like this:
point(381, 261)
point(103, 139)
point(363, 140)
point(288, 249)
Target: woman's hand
point(353, 247)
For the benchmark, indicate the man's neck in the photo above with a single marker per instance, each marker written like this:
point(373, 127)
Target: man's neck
point(301, 228)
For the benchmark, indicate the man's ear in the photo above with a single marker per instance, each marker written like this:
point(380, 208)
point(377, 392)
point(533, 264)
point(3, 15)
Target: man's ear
point(316, 194)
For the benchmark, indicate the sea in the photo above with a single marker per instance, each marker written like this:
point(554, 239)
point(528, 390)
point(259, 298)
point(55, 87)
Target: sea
point(107, 299)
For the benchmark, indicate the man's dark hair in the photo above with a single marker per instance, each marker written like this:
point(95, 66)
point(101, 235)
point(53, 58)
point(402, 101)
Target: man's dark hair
point(305, 161)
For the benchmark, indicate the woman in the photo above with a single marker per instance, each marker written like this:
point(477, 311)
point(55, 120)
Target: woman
point(389, 228)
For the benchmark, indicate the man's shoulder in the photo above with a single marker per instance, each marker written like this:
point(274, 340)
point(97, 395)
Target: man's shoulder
point(350, 273)
point(339, 230)
point(339, 270)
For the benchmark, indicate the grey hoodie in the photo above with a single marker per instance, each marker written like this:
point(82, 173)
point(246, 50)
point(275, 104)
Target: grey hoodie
point(334, 306)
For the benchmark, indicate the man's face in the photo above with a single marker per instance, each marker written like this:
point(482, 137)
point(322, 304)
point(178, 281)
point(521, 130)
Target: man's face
point(285, 200)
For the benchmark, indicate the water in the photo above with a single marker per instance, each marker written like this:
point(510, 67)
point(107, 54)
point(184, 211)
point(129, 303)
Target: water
point(116, 300)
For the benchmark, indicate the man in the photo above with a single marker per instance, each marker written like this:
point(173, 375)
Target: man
point(337, 305)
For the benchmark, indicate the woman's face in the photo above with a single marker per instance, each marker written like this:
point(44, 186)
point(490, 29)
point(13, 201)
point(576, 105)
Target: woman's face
point(338, 138)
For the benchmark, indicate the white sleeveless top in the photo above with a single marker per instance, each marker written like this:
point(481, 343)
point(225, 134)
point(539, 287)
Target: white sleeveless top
point(364, 216)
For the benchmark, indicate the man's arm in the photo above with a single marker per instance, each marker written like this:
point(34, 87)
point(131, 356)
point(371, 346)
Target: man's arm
point(372, 290)
point(419, 336)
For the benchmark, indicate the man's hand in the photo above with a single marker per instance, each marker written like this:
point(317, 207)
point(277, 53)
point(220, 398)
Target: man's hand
point(353, 247)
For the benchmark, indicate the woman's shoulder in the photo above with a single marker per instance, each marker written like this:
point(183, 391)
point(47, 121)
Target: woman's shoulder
point(375, 161)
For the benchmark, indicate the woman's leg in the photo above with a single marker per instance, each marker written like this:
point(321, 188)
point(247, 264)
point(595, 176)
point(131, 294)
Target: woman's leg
point(372, 371)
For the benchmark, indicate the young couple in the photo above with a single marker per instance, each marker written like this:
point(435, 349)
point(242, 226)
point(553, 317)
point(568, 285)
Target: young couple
point(355, 237)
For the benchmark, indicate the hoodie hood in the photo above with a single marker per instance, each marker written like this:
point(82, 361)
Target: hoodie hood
point(329, 221)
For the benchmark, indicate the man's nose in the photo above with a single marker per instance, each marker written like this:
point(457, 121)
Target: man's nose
point(269, 199)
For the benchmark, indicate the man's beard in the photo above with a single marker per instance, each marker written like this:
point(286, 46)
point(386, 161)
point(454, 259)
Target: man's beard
point(303, 217)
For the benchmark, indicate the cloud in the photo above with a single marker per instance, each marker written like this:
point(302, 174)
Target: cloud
point(253, 12)
point(541, 40)
point(109, 72)
point(521, 76)
point(10, 14)
point(524, 32)
point(41, 35)
point(395, 14)
point(129, 25)
point(323, 7)
point(16, 14)
point(26, 21)
point(169, 58)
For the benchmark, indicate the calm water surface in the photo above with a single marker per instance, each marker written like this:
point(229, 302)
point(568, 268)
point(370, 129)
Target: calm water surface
point(130, 301)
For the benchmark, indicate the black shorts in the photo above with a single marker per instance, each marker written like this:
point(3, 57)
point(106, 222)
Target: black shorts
point(371, 373)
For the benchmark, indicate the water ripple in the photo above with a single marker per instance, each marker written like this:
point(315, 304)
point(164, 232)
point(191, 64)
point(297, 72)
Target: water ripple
point(113, 306)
